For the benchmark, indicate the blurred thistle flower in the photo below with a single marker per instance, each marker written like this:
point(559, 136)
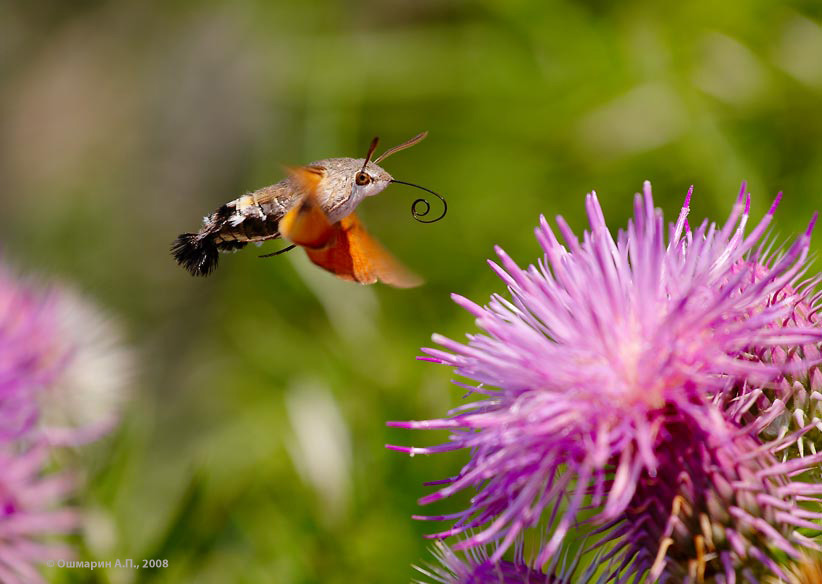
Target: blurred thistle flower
point(84, 401)
point(30, 510)
point(63, 372)
point(29, 355)
point(608, 381)
point(63, 367)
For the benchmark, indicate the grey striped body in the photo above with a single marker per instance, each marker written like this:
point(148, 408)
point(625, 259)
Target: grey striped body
point(255, 217)
point(251, 218)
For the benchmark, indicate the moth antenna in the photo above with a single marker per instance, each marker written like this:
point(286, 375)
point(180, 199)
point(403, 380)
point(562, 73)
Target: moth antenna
point(403, 146)
point(415, 212)
point(371, 150)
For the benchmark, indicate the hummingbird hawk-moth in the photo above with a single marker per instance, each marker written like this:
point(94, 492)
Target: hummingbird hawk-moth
point(312, 208)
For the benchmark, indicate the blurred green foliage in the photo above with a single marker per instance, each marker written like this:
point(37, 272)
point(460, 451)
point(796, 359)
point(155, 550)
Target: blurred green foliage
point(253, 450)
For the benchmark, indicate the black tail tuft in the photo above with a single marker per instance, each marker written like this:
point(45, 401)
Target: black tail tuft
point(197, 254)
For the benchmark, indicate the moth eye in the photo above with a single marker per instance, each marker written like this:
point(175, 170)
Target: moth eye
point(362, 178)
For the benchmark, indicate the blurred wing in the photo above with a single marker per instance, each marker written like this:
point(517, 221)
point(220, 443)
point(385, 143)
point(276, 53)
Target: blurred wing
point(306, 224)
point(353, 254)
point(344, 248)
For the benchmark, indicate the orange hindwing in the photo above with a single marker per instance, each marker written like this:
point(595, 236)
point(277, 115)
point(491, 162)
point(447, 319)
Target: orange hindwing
point(343, 248)
point(353, 254)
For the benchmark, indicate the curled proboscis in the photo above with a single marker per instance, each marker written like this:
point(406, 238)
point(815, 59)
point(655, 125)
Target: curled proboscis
point(420, 214)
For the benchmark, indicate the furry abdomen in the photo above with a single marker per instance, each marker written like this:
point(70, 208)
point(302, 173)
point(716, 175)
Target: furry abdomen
point(251, 218)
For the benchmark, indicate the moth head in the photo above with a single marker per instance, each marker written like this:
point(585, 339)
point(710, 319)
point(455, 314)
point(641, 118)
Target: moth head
point(350, 180)
point(370, 179)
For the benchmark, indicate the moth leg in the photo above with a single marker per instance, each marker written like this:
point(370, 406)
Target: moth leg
point(278, 252)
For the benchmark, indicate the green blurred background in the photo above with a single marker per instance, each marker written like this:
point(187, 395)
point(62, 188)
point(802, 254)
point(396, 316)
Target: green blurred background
point(253, 448)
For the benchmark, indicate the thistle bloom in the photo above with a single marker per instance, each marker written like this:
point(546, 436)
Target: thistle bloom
point(83, 402)
point(475, 567)
point(30, 508)
point(611, 372)
point(60, 363)
point(789, 407)
point(63, 367)
point(715, 509)
point(29, 357)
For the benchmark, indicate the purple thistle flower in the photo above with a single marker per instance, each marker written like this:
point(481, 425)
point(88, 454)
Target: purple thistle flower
point(29, 512)
point(63, 368)
point(786, 409)
point(611, 355)
point(62, 372)
point(29, 355)
point(83, 402)
point(715, 509)
point(475, 567)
